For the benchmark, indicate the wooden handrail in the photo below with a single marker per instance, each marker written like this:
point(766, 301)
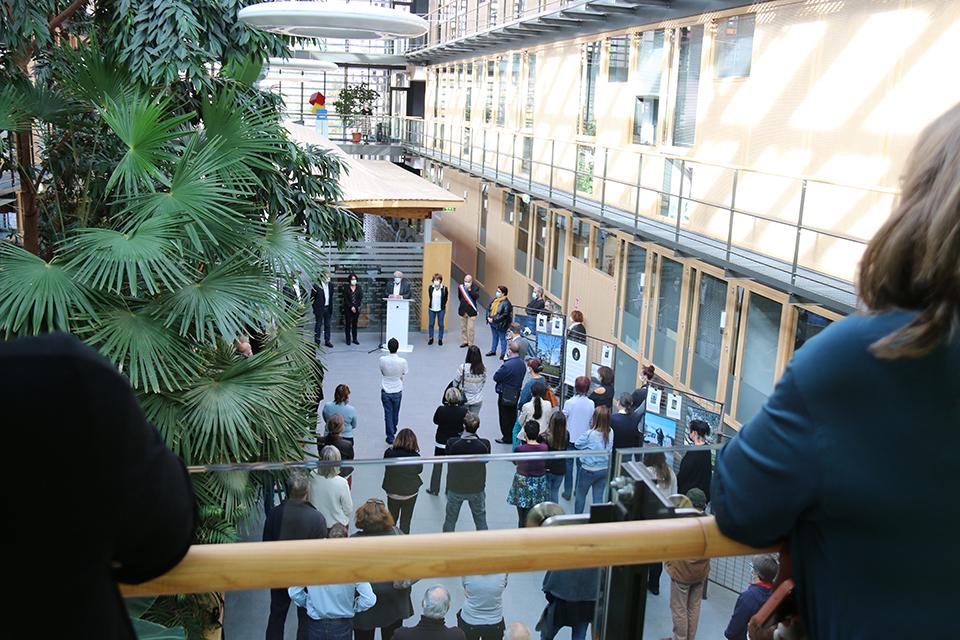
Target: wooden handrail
point(264, 565)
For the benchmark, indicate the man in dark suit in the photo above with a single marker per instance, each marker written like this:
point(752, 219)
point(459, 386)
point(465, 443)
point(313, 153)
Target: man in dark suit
point(399, 287)
point(323, 310)
point(435, 604)
point(469, 295)
point(509, 379)
point(294, 519)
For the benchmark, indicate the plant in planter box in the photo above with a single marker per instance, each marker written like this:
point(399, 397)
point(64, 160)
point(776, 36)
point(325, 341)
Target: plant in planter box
point(354, 105)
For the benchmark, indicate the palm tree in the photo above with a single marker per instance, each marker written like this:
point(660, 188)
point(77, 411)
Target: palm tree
point(175, 217)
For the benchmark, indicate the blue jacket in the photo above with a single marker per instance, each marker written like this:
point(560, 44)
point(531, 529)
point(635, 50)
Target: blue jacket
point(510, 374)
point(850, 457)
point(747, 605)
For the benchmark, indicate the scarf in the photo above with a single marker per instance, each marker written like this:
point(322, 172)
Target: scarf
point(466, 296)
point(495, 305)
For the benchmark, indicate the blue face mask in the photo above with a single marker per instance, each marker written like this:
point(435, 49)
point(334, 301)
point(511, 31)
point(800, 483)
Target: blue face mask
point(396, 281)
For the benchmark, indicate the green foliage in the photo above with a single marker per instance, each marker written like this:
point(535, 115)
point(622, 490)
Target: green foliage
point(353, 101)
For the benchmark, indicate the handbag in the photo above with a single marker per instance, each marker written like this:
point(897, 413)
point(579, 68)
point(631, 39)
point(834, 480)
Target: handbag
point(509, 396)
point(551, 397)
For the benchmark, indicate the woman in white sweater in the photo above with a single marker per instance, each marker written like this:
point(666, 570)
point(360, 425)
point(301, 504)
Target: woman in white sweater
point(329, 493)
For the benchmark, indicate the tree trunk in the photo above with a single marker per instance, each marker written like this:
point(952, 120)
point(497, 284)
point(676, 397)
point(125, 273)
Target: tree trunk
point(28, 197)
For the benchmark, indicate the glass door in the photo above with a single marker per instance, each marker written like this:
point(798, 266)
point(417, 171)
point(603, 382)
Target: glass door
point(558, 253)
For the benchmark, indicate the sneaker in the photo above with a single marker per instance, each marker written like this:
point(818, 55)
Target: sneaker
point(440, 342)
point(492, 353)
point(430, 341)
point(502, 441)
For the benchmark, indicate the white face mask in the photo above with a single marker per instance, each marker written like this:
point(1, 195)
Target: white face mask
point(534, 296)
point(353, 282)
point(499, 293)
point(467, 283)
point(436, 283)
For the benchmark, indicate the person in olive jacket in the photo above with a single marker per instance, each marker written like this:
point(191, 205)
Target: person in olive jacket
point(449, 420)
point(499, 317)
point(402, 482)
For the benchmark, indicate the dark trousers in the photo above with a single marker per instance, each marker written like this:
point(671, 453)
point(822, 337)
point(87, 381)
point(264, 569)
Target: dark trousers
point(481, 631)
point(350, 326)
point(338, 629)
point(391, 412)
point(437, 474)
point(385, 632)
point(653, 575)
point(279, 605)
point(522, 516)
point(323, 321)
point(508, 417)
point(402, 511)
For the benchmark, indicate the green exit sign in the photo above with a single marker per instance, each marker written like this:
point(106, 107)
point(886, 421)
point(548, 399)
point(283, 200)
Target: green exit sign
point(449, 208)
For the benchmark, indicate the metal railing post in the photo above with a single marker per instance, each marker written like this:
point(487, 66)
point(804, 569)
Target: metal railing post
point(683, 173)
point(576, 172)
point(636, 211)
point(796, 246)
point(513, 157)
point(553, 144)
point(603, 185)
point(303, 117)
point(533, 142)
point(496, 159)
point(483, 154)
point(733, 205)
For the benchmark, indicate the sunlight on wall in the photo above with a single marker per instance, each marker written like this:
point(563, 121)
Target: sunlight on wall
point(866, 60)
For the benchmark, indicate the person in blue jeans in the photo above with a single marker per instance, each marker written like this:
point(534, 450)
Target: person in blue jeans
point(593, 469)
point(438, 306)
point(392, 370)
point(499, 317)
point(330, 608)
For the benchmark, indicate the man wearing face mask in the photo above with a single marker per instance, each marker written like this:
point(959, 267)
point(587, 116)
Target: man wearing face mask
point(399, 287)
point(537, 303)
point(438, 305)
point(322, 310)
point(352, 299)
point(468, 292)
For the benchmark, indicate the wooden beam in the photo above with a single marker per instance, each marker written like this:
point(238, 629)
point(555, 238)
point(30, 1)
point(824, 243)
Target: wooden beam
point(268, 565)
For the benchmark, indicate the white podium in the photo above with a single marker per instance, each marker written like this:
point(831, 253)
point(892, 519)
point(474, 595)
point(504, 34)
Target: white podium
point(398, 323)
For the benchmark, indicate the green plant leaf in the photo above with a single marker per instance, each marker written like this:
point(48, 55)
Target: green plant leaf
point(147, 257)
point(146, 128)
point(37, 296)
point(245, 134)
point(136, 607)
point(153, 631)
point(284, 249)
point(13, 114)
point(154, 358)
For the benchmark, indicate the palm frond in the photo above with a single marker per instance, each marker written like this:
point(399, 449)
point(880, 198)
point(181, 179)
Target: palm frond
point(165, 411)
point(148, 257)
point(37, 296)
point(223, 302)
point(138, 342)
point(144, 125)
point(246, 135)
point(284, 249)
point(13, 115)
point(91, 76)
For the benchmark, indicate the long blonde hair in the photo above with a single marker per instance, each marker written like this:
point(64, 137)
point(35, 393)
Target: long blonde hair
point(913, 261)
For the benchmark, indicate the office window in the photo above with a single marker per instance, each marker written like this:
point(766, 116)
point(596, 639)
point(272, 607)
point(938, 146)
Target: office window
point(584, 180)
point(708, 339)
point(515, 71)
point(539, 242)
point(502, 92)
point(468, 104)
point(481, 266)
point(581, 240)
point(590, 70)
point(531, 89)
point(509, 202)
point(645, 114)
point(668, 315)
point(460, 74)
point(634, 283)
point(484, 209)
point(677, 181)
point(618, 58)
point(646, 111)
point(465, 146)
point(760, 343)
point(488, 98)
point(605, 251)
point(518, 8)
point(626, 379)
point(526, 159)
point(734, 46)
point(809, 324)
point(688, 86)
point(523, 236)
point(559, 255)
point(436, 94)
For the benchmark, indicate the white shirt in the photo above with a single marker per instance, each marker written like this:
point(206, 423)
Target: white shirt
point(392, 368)
point(579, 412)
point(331, 497)
point(396, 287)
point(484, 602)
point(435, 298)
point(326, 293)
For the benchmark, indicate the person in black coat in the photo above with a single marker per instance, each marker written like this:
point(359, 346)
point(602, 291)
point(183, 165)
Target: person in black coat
point(468, 293)
point(576, 330)
point(537, 303)
point(626, 425)
point(449, 420)
point(334, 438)
point(435, 606)
point(322, 310)
point(352, 299)
point(398, 287)
point(402, 482)
point(602, 395)
point(509, 379)
point(126, 514)
point(393, 604)
point(696, 468)
point(294, 519)
point(437, 305)
point(499, 317)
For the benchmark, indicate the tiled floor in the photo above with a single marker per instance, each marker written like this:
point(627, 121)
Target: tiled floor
point(431, 368)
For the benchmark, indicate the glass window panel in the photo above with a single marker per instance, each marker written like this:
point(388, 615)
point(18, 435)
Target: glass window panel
point(559, 256)
point(581, 240)
point(468, 104)
point(708, 340)
point(539, 243)
point(502, 92)
point(668, 314)
point(618, 58)
point(523, 236)
point(734, 46)
point(484, 209)
point(625, 373)
point(509, 201)
point(651, 318)
point(605, 251)
point(760, 344)
point(645, 113)
point(649, 62)
point(481, 265)
point(531, 89)
point(488, 98)
point(809, 324)
point(515, 71)
point(688, 86)
point(584, 181)
point(526, 158)
point(634, 282)
point(466, 143)
point(588, 88)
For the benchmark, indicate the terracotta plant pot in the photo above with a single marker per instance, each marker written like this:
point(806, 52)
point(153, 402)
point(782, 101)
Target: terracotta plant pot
point(355, 136)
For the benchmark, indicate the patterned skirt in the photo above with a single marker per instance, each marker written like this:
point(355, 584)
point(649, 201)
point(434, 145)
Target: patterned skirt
point(528, 491)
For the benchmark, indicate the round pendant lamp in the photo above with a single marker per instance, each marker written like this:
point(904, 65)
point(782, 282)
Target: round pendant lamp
point(336, 20)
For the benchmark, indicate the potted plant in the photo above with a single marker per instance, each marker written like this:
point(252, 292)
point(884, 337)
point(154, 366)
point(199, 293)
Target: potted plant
point(354, 104)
